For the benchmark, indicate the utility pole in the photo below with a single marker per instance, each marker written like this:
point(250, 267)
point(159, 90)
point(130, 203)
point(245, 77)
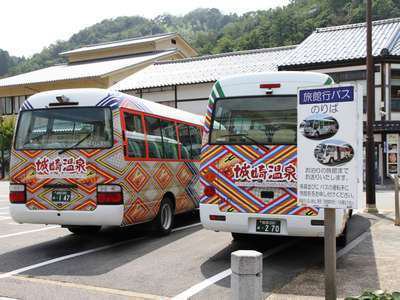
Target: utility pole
point(370, 159)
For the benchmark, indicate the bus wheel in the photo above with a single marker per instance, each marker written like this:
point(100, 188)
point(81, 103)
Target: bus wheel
point(84, 230)
point(341, 240)
point(164, 221)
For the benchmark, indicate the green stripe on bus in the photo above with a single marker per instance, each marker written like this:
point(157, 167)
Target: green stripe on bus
point(328, 81)
point(219, 89)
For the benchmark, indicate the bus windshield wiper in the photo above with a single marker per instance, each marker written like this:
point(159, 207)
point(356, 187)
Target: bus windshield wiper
point(243, 135)
point(76, 144)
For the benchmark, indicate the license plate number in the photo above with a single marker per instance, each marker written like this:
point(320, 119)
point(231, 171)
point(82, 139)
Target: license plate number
point(273, 226)
point(61, 196)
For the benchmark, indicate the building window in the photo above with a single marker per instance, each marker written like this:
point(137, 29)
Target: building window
point(8, 105)
point(395, 90)
point(18, 101)
point(2, 105)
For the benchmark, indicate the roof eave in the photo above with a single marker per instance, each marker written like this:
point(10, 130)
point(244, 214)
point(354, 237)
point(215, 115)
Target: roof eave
point(139, 64)
point(48, 81)
point(335, 63)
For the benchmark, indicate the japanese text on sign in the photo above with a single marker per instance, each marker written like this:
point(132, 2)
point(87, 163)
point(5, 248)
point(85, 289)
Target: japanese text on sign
point(327, 95)
point(61, 167)
point(264, 172)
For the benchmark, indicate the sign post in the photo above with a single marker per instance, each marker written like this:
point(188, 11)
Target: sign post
point(329, 140)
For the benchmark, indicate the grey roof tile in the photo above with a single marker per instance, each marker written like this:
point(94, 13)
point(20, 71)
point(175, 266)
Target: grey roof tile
point(206, 68)
point(346, 42)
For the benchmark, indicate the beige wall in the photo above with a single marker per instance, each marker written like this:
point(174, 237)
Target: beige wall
point(180, 44)
point(194, 91)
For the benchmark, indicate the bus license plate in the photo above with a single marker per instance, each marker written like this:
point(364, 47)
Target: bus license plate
point(61, 196)
point(273, 226)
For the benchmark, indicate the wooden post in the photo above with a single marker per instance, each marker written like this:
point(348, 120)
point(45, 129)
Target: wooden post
point(396, 200)
point(330, 253)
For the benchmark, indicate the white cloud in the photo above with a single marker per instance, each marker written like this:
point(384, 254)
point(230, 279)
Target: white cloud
point(28, 26)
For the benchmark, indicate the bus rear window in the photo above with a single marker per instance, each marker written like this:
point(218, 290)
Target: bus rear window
point(255, 120)
point(61, 128)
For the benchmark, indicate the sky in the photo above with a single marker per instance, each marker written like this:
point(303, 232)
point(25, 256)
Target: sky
point(27, 26)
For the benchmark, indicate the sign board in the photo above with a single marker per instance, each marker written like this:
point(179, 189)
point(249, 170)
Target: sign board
point(392, 160)
point(329, 139)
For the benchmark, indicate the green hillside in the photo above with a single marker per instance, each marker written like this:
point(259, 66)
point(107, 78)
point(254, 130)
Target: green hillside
point(210, 31)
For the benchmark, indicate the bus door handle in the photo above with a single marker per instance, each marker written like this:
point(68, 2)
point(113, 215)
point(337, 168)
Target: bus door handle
point(60, 186)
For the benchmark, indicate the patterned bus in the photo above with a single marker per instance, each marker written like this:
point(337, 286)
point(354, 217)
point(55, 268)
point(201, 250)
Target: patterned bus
point(249, 158)
point(86, 158)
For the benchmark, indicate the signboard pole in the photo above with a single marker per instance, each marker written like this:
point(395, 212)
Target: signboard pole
point(330, 253)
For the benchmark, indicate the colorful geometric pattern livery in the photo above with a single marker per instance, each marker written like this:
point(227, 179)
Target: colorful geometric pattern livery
point(220, 166)
point(144, 183)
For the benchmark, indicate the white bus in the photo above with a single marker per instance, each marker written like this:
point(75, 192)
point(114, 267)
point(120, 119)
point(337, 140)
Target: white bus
point(87, 158)
point(249, 157)
point(333, 152)
point(319, 127)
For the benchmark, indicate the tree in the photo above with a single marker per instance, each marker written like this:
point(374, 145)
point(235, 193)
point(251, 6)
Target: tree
point(7, 125)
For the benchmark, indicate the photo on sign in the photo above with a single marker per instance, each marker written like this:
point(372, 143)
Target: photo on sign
point(319, 126)
point(333, 152)
point(392, 168)
point(392, 158)
point(392, 148)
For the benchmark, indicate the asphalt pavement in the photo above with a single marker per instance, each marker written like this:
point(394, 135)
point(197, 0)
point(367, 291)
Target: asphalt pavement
point(48, 262)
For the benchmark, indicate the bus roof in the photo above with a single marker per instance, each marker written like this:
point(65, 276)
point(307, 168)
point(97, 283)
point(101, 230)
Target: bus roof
point(290, 81)
point(106, 98)
point(319, 117)
point(335, 143)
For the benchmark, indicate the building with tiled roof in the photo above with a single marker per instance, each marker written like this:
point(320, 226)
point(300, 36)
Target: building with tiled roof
point(186, 83)
point(95, 66)
point(209, 68)
point(345, 44)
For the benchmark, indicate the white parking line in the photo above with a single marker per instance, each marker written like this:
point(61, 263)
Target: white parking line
point(186, 227)
point(66, 257)
point(210, 281)
point(1, 208)
point(5, 218)
point(28, 231)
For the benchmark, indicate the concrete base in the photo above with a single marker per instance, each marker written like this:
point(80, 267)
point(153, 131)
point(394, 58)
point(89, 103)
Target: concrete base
point(371, 209)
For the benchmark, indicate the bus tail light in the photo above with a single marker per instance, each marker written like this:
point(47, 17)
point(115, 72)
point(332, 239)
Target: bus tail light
point(209, 191)
point(110, 194)
point(17, 193)
point(270, 85)
point(217, 218)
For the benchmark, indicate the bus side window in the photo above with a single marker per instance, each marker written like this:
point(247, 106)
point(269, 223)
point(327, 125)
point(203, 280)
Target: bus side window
point(170, 142)
point(134, 136)
point(154, 139)
point(184, 139)
point(195, 136)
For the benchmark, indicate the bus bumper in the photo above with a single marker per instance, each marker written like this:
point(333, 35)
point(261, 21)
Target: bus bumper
point(103, 215)
point(246, 223)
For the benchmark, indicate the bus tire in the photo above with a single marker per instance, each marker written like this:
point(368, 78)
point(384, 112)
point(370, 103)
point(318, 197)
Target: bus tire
point(164, 221)
point(342, 239)
point(84, 230)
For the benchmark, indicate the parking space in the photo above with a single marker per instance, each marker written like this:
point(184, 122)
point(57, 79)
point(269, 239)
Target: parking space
point(132, 263)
